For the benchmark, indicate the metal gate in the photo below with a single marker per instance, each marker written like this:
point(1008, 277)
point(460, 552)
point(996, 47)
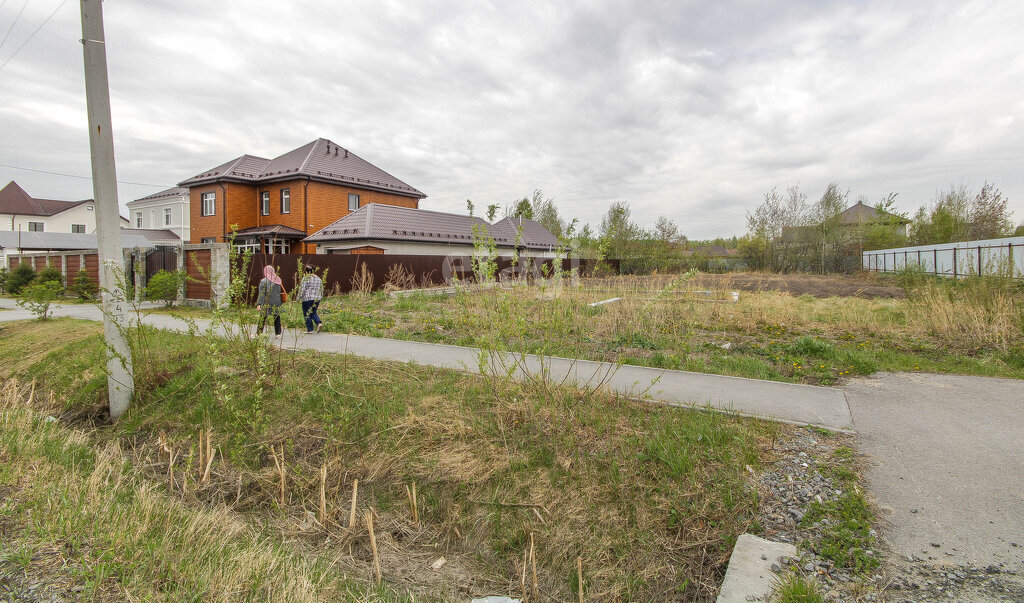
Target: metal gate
point(161, 258)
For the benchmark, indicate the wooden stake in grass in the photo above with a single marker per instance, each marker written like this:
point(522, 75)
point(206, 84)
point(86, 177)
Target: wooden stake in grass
point(373, 546)
point(533, 566)
point(522, 575)
point(281, 471)
point(352, 511)
point(579, 576)
point(413, 507)
point(323, 493)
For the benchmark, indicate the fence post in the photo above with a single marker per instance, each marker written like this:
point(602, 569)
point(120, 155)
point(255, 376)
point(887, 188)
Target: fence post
point(935, 262)
point(979, 260)
point(1013, 273)
point(954, 261)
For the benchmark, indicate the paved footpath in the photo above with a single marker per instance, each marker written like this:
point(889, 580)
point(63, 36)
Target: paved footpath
point(789, 402)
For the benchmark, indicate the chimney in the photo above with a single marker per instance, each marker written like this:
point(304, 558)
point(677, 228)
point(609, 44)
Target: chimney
point(328, 151)
point(346, 153)
point(335, 151)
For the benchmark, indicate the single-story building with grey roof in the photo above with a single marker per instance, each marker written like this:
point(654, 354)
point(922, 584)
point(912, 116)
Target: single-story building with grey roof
point(387, 229)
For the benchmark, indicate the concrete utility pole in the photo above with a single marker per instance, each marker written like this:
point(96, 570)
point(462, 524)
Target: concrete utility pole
point(120, 382)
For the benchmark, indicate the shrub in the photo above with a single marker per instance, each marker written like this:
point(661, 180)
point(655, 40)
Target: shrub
point(51, 275)
point(38, 296)
point(83, 286)
point(19, 277)
point(3, 280)
point(166, 286)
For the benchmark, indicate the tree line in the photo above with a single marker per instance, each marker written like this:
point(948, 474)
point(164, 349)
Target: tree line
point(787, 232)
point(663, 248)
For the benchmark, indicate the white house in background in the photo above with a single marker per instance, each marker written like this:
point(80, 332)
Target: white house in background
point(387, 229)
point(19, 211)
point(166, 210)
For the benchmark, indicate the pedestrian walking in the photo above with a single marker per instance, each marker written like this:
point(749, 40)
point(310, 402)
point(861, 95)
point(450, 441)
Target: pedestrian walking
point(311, 291)
point(269, 300)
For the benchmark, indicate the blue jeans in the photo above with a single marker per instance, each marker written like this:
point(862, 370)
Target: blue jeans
point(309, 312)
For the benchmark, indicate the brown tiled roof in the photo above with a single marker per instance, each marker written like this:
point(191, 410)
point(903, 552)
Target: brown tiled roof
point(176, 191)
point(271, 229)
point(377, 221)
point(533, 234)
point(319, 160)
point(14, 200)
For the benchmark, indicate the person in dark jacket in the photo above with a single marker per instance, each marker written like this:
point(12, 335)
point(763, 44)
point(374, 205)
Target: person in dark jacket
point(268, 300)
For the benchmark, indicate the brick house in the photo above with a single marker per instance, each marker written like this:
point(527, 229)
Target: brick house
point(276, 203)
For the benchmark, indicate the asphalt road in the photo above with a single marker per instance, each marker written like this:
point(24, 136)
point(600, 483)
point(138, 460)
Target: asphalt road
point(946, 464)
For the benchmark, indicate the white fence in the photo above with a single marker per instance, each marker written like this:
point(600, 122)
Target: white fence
point(968, 258)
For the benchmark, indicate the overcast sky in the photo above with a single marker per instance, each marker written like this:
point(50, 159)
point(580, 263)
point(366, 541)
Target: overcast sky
point(688, 109)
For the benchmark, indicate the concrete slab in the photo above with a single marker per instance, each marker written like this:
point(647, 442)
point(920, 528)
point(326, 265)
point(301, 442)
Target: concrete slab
point(750, 576)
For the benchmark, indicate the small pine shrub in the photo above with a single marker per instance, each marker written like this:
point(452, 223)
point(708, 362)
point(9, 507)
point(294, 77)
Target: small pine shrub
point(21, 276)
point(83, 286)
point(51, 275)
point(3, 280)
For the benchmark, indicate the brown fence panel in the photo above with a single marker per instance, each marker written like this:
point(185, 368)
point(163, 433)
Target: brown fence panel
point(39, 262)
point(197, 264)
point(74, 265)
point(92, 268)
point(426, 270)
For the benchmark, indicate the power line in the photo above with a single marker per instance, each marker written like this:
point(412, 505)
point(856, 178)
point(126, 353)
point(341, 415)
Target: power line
point(15, 167)
point(13, 23)
point(29, 39)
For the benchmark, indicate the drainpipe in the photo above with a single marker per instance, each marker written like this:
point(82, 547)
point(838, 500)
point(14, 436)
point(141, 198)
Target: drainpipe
point(224, 214)
point(305, 214)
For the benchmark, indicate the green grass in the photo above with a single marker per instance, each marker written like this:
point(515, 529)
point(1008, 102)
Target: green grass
point(766, 335)
point(796, 589)
point(615, 481)
point(847, 539)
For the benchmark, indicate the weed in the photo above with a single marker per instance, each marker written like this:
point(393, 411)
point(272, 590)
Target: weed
point(797, 589)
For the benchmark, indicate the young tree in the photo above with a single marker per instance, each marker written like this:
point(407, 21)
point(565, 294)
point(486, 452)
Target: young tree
point(523, 209)
point(988, 216)
point(617, 232)
point(665, 230)
point(545, 212)
point(946, 221)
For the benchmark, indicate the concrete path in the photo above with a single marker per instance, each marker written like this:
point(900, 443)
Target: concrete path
point(803, 404)
point(946, 464)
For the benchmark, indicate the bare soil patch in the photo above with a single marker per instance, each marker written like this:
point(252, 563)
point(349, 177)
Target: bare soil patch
point(833, 285)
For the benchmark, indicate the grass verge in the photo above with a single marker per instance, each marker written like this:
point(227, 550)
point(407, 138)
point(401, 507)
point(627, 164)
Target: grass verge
point(650, 498)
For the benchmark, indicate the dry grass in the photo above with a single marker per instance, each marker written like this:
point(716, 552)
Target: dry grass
point(651, 498)
point(678, 323)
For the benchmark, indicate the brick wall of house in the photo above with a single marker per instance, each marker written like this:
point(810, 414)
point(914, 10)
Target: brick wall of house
point(313, 207)
point(329, 203)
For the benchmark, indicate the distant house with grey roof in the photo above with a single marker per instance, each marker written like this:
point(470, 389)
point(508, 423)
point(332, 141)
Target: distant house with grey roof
point(275, 204)
point(386, 229)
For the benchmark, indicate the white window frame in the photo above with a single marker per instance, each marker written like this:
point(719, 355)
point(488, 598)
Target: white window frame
point(168, 216)
point(138, 219)
point(353, 206)
point(37, 226)
point(78, 228)
point(207, 240)
point(275, 246)
point(248, 245)
point(265, 203)
point(286, 201)
point(209, 204)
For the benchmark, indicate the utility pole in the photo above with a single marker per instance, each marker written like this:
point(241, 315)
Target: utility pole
point(120, 380)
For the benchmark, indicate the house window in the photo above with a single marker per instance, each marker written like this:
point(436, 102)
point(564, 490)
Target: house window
point(209, 204)
point(138, 219)
point(167, 216)
point(274, 246)
point(78, 228)
point(353, 202)
point(89, 208)
point(286, 201)
point(208, 240)
point(35, 227)
point(248, 245)
point(265, 203)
